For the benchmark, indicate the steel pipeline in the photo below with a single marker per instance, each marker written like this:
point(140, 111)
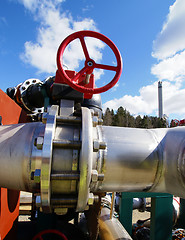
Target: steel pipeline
point(119, 159)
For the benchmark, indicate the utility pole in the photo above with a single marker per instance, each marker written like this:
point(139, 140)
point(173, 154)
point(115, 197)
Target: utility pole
point(160, 99)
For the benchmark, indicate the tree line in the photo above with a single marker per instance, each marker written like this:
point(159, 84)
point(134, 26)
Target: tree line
point(123, 118)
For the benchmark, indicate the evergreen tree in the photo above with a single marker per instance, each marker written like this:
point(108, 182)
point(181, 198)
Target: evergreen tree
point(123, 118)
point(131, 121)
point(107, 118)
point(138, 122)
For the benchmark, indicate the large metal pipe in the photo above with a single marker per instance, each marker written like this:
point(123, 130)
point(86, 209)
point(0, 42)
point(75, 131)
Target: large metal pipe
point(144, 160)
point(105, 159)
point(16, 147)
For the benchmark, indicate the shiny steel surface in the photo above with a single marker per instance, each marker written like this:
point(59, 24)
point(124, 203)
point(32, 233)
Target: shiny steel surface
point(63, 159)
point(76, 161)
point(132, 158)
point(16, 142)
point(171, 175)
point(86, 159)
point(111, 229)
point(45, 183)
point(144, 160)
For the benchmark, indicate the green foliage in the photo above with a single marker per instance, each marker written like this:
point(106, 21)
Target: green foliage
point(123, 118)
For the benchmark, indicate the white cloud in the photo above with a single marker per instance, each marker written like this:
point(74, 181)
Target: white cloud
point(40, 5)
point(169, 47)
point(145, 103)
point(172, 68)
point(54, 27)
point(169, 50)
point(171, 39)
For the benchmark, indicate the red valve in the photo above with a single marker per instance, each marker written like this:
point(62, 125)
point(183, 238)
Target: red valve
point(76, 82)
point(48, 232)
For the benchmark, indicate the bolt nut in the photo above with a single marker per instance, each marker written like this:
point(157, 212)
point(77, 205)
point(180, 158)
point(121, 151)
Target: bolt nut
point(96, 198)
point(100, 177)
point(32, 175)
point(103, 145)
point(39, 143)
point(100, 121)
point(86, 208)
point(96, 114)
point(60, 211)
point(44, 116)
point(91, 199)
point(96, 145)
point(94, 176)
point(92, 112)
point(95, 121)
point(37, 174)
point(40, 117)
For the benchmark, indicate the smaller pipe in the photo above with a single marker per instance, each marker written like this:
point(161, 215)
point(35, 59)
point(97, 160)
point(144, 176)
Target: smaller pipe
point(112, 205)
point(111, 229)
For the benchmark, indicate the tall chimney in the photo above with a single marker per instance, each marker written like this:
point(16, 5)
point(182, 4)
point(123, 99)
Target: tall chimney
point(160, 99)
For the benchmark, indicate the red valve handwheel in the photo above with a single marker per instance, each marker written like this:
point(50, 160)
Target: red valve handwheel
point(90, 64)
point(40, 235)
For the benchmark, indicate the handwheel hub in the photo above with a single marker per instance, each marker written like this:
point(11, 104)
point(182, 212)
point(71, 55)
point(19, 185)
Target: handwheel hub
point(90, 63)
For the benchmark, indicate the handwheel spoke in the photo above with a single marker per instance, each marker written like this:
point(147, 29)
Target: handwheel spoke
point(106, 67)
point(80, 73)
point(84, 48)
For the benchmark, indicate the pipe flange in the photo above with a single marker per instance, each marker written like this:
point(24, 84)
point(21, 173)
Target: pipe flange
point(23, 90)
point(86, 159)
point(47, 150)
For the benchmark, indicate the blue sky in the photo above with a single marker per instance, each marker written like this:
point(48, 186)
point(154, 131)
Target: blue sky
point(149, 34)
